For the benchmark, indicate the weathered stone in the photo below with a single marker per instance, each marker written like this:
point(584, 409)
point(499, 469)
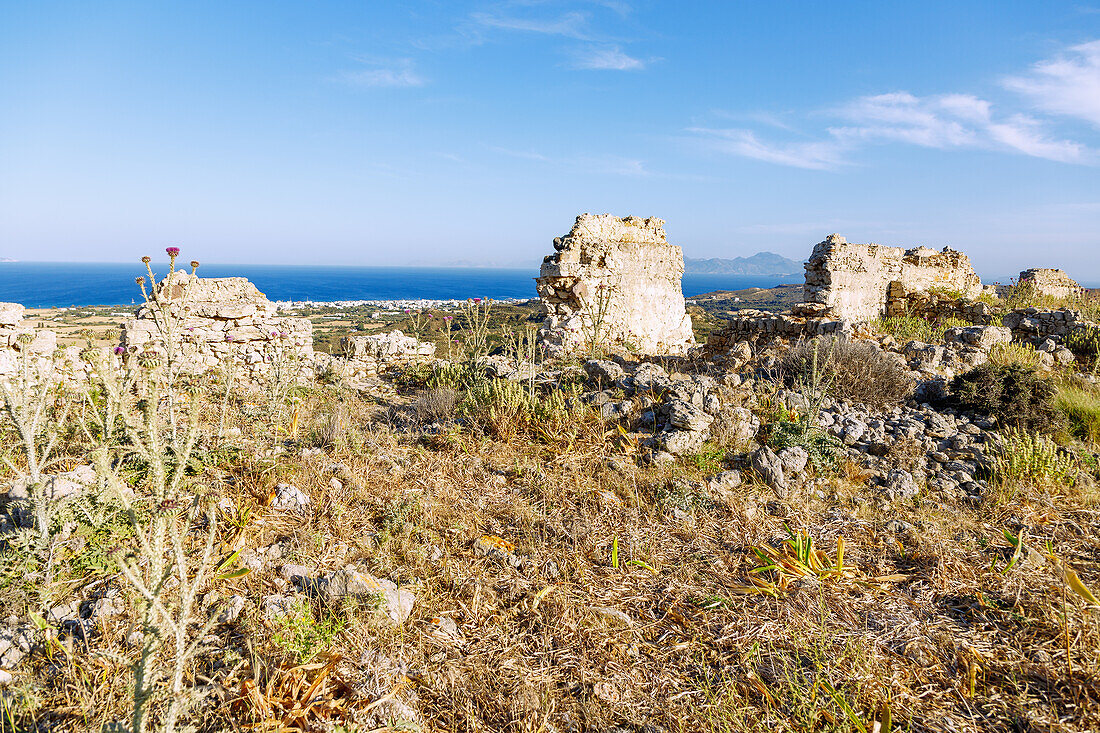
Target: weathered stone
point(981, 337)
point(682, 442)
point(221, 318)
point(615, 281)
point(686, 416)
point(11, 314)
point(1050, 282)
point(603, 372)
point(289, 497)
point(497, 548)
point(857, 280)
point(769, 468)
point(395, 603)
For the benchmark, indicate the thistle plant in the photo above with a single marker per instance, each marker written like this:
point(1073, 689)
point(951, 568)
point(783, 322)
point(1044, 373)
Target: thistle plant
point(476, 312)
point(284, 360)
point(594, 326)
point(37, 406)
point(168, 568)
point(167, 312)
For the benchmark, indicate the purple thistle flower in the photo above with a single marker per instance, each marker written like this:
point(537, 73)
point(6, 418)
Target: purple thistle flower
point(228, 338)
point(172, 251)
point(477, 300)
point(407, 311)
point(283, 334)
point(120, 350)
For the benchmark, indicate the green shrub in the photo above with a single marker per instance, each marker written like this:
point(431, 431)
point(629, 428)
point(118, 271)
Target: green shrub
point(856, 371)
point(1017, 395)
point(1081, 408)
point(1034, 459)
point(1006, 353)
point(1085, 343)
point(787, 430)
point(915, 328)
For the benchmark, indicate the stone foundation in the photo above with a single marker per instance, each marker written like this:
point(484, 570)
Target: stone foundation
point(858, 280)
point(804, 321)
point(938, 307)
point(617, 280)
point(1034, 325)
point(221, 318)
point(367, 355)
point(1049, 282)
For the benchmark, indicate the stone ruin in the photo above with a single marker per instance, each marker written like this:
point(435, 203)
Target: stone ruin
point(222, 318)
point(1050, 282)
point(859, 282)
point(17, 337)
point(617, 281)
point(367, 355)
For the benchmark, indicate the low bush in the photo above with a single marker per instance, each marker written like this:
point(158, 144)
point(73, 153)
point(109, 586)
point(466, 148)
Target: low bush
point(1080, 407)
point(855, 371)
point(787, 431)
point(435, 405)
point(1006, 353)
point(1017, 395)
point(1085, 343)
point(915, 328)
point(1033, 459)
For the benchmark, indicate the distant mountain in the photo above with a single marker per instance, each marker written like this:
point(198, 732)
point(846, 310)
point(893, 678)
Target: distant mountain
point(761, 263)
point(7, 259)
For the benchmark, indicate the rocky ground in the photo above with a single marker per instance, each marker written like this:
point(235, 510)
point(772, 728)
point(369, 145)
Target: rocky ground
point(698, 544)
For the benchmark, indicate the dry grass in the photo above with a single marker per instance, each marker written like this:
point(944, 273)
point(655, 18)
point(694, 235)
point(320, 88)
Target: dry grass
point(625, 613)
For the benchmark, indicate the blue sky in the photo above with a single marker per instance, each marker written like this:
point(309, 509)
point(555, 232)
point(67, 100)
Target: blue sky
point(434, 132)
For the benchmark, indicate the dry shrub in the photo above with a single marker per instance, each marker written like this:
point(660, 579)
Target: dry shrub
point(855, 371)
point(435, 405)
point(333, 430)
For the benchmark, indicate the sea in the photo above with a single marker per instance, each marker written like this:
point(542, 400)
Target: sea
point(58, 285)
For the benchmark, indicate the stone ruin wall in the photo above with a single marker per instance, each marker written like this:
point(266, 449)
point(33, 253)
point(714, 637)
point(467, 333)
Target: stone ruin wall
point(624, 268)
point(859, 281)
point(1050, 282)
point(222, 318)
point(17, 337)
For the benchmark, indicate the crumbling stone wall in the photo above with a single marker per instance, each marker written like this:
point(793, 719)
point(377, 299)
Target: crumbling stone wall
point(222, 318)
point(938, 307)
point(617, 279)
point(859, 280)
point(1037, 324)
point(17, 337)
point(805, 320)
point(1046, 281)
point(370, 353)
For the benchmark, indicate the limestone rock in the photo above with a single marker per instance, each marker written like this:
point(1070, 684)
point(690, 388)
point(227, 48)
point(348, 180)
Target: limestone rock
point(617, 281)
point(856, 281)
point(498, 549)
point(289, 497)
point(222, 318)
point(395, 603)
point(1051, 282)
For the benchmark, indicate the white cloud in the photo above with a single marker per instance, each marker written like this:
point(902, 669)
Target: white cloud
point(814, 155)
point(570, 25)
point(1068, 84)
point(612, 59)
point(399, 73)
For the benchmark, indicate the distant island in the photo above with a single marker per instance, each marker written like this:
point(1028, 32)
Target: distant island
point(761, 263)
point(8, 259)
